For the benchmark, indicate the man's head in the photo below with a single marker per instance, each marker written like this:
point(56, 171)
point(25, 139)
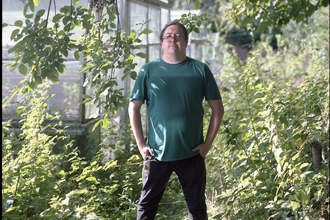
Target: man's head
point(174, 41)
point(175, 22)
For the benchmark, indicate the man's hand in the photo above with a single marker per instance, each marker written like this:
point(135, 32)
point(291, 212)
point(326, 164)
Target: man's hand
point(145, 151)
point(203, 149)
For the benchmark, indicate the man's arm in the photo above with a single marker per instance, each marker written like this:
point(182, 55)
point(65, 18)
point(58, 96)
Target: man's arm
point(134, 111)
point(213, 128)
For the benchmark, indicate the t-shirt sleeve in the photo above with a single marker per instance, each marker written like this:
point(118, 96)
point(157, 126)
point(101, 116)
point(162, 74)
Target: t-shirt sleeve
point(139, 91)
point(211, 88)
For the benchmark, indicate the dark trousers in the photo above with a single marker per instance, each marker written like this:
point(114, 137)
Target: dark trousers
point(192, 176)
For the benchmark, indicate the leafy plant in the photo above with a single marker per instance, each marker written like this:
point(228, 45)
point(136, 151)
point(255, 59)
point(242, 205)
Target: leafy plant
point(30, 169)
point(275, 109)
point(45, 180)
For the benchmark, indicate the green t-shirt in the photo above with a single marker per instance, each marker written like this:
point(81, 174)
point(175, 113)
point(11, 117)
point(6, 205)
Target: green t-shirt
point(174, 94)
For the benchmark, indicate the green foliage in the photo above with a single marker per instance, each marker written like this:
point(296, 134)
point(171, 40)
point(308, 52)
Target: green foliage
point(102, 62)
point(30, 169)
point(273, 13)
point(243, 22)
point(192, 21)
point(80, 188)
point(277, 106)
point(42, 180)
point(40, 50)
point(44, 43)
point(98, 190)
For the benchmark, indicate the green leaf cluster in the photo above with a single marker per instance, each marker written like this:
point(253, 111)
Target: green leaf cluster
point(45, 177)
point(276, 107)
point(273, 13)
point(44, 44)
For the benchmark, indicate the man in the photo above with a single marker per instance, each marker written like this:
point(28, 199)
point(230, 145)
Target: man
point(174, 87)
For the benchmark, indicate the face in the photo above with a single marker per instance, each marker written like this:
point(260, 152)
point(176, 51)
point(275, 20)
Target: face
point(174, 40)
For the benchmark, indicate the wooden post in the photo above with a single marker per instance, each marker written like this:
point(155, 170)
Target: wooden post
point(317, 155)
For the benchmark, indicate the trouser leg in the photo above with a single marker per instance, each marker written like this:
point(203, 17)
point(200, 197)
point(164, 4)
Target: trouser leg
point(155, 175)
point(192, 175)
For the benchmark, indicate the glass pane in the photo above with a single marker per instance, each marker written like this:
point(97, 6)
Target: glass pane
point(9, 81)
point(138, 16)
point(154, 25)
point(138, 60)
point(197, 51)
point(154, 52)
point(165, 17)
point(66, 99)
point(66, 92)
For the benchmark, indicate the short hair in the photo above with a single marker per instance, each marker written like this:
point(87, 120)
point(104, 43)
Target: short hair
point(175, 22)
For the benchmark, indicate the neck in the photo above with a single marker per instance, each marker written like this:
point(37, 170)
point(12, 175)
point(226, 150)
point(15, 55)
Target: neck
point(174, 59)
